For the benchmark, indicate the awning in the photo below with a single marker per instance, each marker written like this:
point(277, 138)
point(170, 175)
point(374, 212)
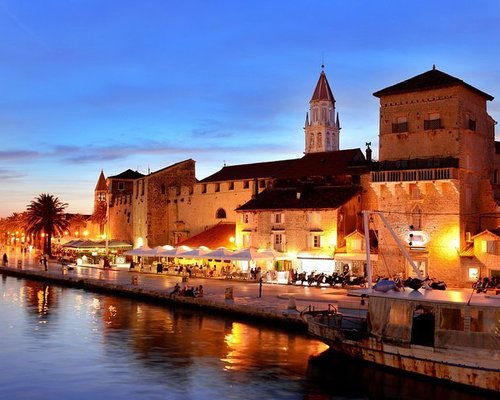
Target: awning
point(315, 255)
point(83, 244)
point(354, 257)
point(220, 235)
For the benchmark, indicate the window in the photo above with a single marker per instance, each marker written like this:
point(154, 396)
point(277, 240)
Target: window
point(245, 218)
point(246, 184)
point(163, 188)
point(473, 274)
point(121, 185)
point(316, 242)
point(277, 218)
point(278, 238)
point(204, 188)
point(315, 218)
point(262, 183)
point(101, 197)
point(217, 187)
point(356, 245)
point(231, 186)
point(433, 121)
point(279, 241)
point(220, 214)
point(401, 125)
point(470, 123)
point(451, 319)
point(246, 240)
point(415, 192)
point(416, 218)
point(315, 114)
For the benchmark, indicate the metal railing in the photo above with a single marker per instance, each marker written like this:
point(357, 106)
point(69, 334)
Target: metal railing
point(414, 175)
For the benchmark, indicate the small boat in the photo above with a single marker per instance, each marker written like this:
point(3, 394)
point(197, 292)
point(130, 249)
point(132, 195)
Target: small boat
point(448, 335)
point(440, 334)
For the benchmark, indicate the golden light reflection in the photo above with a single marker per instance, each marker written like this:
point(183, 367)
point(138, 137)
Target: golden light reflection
point(448, 242)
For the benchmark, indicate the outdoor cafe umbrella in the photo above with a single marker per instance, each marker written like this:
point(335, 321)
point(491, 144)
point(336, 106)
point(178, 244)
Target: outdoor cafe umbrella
point(166, 251)
point(83, 244)
point(140, 251)
point(194, 253)
point(251, 254)
point(219, 254)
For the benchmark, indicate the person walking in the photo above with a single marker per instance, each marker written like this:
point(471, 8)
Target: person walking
point(45, 261)
point(5, 259)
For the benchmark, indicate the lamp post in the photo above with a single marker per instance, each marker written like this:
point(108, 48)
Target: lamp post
point(106, 232)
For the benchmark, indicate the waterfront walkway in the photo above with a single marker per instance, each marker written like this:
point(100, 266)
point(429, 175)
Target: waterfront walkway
point(280, 303)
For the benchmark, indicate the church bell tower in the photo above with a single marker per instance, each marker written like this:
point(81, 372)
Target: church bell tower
point(322, 125)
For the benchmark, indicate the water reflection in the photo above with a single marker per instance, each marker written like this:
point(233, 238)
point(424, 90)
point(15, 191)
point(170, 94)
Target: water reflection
point(110, 348)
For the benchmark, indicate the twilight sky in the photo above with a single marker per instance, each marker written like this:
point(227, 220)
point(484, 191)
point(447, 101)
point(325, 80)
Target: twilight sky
point(87, 85)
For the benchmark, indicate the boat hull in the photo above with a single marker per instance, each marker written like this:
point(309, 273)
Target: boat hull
point(470, 368)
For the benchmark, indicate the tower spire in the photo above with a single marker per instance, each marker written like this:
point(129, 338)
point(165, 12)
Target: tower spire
point(322, 130)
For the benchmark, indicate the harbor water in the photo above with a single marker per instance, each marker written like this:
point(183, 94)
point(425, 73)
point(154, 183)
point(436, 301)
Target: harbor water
point(64, 343)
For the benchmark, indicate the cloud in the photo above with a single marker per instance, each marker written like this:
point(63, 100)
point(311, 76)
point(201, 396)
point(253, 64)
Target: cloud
point(18, 155)
point(6, 174)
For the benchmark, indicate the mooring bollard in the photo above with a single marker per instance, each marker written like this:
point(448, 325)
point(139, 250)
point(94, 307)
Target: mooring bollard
point(135, 280)
point(229, 295)
point(291, 308)
point(64, 270)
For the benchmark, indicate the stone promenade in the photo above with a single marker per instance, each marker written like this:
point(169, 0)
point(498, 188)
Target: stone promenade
point(280, 304)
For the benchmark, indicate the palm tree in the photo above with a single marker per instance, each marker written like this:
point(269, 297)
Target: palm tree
point(78, 223)
point(45, 214)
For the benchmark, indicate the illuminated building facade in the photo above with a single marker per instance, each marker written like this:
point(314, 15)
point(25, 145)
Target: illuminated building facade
point(434, 178)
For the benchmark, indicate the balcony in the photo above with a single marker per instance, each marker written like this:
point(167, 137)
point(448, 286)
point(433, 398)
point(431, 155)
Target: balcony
point(414, 175)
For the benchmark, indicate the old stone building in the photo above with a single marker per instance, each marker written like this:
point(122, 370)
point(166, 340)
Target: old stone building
point(433, 180)
point(436, 180)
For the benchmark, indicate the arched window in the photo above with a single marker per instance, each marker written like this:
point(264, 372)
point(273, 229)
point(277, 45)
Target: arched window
point(416, 218)
point(220, 214)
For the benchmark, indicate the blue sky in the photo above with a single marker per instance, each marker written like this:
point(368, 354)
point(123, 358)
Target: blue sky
point(87, 85)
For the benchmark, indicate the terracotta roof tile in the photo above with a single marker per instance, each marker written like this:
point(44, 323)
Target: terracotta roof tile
point(214, 237)
point(322, 90)
point(248, 171)
point(311, 165)
point(432, 79)
point(330, 163)
point(128, 174)
point(315, 197)
point(101, 183)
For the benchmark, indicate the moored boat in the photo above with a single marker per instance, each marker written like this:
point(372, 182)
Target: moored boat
point(449, 335)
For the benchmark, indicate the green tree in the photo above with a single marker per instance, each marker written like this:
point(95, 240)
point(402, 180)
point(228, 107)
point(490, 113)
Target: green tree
point(45, 214)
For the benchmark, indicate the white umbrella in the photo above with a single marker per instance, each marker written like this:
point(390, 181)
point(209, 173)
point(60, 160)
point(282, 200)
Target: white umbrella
point(167, 251)
point(140, 251)
point(194, 253)
point(219, 254)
